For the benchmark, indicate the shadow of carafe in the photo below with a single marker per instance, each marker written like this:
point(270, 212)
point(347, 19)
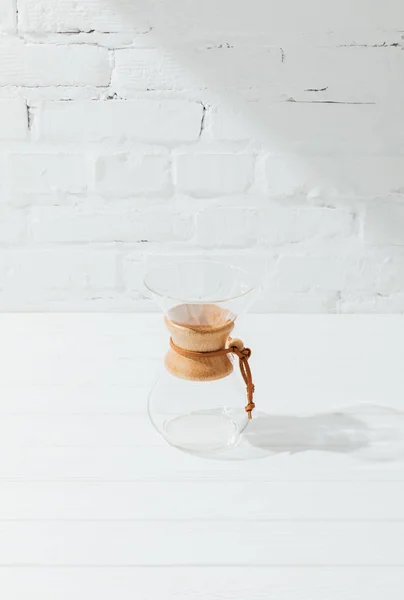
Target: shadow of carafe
point(333, 432)
point(368, 432)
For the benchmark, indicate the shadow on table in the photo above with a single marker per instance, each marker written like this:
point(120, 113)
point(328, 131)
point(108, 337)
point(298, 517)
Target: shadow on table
point(371, 432)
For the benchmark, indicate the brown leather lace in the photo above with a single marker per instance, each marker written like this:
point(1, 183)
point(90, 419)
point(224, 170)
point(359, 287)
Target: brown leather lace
point(243, 356)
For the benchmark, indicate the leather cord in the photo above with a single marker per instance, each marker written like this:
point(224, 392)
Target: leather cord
point(235, 347)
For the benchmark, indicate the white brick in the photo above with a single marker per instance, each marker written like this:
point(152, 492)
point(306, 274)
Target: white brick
point(272, 16)
point(133, 271)
point(7, 15)
point(384, 222)
point(369, 74)
point(100, 270)
point(274, 301)
point(165, 121)
point(150, 69)
point(293, 175)
point(391, 279)
point(46, 65)
point(312, 128)
point(226, 17)
point(233, 124)
point(126, 174)
point(68, 15)
point(368, 304)
point(13, 119)
point(338, 176)
point(241, 67)
point(111, 41)
point(26, 199)
point(71, 224)
point(289, 225)
point(46, 173)
point(213, 174)
point(31, 272)
point(58, 93)
point(226, 227)
point(12, 225)
point(335, 273)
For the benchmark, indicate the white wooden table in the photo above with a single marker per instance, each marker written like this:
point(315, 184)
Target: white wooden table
point(94, 505)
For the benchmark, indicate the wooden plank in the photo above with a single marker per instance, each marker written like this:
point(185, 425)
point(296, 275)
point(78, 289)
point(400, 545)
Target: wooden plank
point(306, 397)
point(203, 501)
point(80, 430)
point(193, 543)
point(372, 435)
point(167, 464)
point(54, 365)
point(226, 583)
point(74, 399)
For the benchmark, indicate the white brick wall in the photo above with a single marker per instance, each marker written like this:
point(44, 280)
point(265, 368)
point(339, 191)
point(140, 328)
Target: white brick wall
point(383, 222)
point(40, 65)
point(33, 173)
point(71, 224)
point(336, 176)
point(265, 133)
point(204, 175)
point(13, 120)
point(8, 15)
point(164, 122)
point(69, 15)
point(227, 227)
point(226, 18)
point(126, 174)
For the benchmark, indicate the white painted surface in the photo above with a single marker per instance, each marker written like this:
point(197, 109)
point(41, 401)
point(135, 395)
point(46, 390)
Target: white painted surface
point(93, 504)
point(266, 133)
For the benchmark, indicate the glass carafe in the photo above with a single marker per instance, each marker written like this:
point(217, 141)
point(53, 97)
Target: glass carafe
point(198, 403)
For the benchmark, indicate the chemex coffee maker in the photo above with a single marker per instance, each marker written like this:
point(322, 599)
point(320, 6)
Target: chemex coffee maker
point(200, 404)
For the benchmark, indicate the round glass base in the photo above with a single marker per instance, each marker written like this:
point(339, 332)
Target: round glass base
point(199, 417)
point(202, 431)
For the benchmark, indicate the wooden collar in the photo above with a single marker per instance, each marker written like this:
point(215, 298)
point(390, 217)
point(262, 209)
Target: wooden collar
point(235, 346)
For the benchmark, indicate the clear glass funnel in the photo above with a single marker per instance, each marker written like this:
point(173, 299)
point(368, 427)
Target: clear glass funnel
point(183, 290)
point(197, 404)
